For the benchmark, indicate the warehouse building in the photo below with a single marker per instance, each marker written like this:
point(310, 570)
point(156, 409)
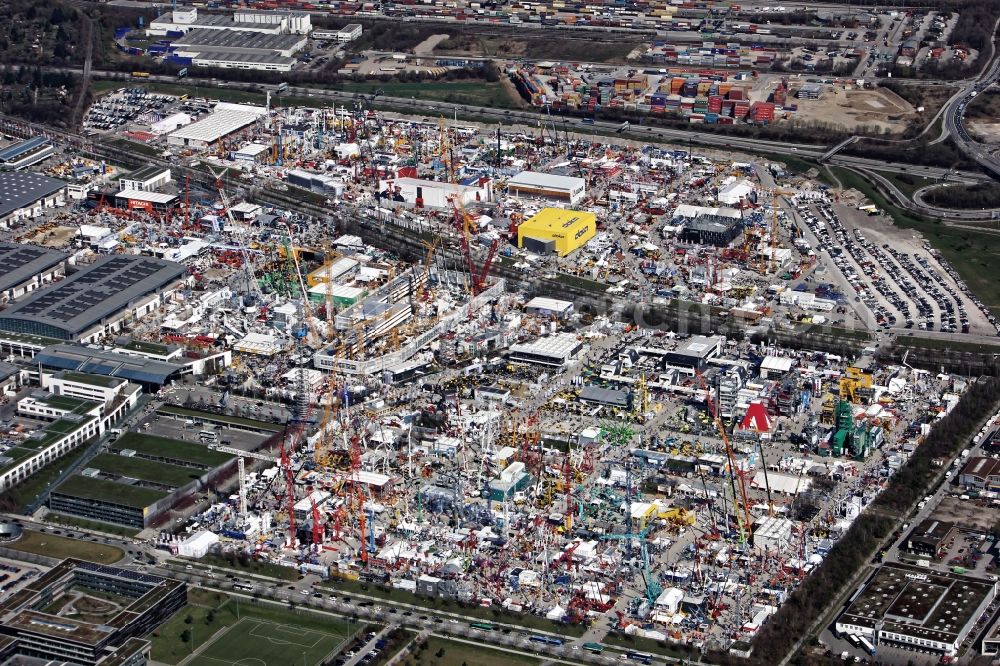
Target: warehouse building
point(226, 120)
point(26, 153)
point(136, 487)
point(24, 195)
point(436, 194)
point(693, 356)
point(916, 608)
point(159, 202)
point(146, 179)
point(26, 268)
point(238, 42)
point(149, 373)
point(553, 351)
point(981, 473)
point(930, 537)
point(541, 306)
point(183, 20)
point(556, 231)
point(97, 301)
point(565, 189)
point(148, 601)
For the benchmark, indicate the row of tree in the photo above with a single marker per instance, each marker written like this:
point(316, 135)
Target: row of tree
point(797, 616)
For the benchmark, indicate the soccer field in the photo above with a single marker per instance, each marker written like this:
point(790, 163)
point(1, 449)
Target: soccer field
point(254, 642)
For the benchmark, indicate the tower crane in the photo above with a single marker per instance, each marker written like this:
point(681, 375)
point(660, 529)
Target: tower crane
point(744, 522)
point(775, 194)
point(463, 224)
point(241, 456)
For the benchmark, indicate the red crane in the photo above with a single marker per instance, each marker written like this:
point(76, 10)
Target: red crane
point(317, 526)
point(286, 467)
point(477, 276)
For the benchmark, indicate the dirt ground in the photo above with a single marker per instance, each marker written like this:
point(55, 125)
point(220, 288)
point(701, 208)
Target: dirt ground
point(966, 513)
point(987, 132)
point(851, 109)
point(427, 46)
point(59, 237)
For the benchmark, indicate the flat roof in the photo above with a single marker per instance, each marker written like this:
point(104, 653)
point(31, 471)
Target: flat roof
point(552, 304)
point(692, 212)
point(22, 262)
point(220, 123)
point(151, 171)
point(102, 490)
point(142, 195)
point(16, 150)
point(107, 363)
point(918, 602)
point(82, 300)
point(144, 469)
point(546, 180)
point(559, 346)
point(201, 39)
point(20, 189)
point(171, 449)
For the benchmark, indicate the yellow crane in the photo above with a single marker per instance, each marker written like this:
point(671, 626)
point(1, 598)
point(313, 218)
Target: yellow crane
point(775, 194)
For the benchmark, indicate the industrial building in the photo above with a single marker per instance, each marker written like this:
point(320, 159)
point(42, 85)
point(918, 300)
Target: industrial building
point(26, 153)
point(566, 189)
point(24, 195)
point(97, 301)
point(150, 373)
point(159, 202)
point(542, 306)
point(183, 20)
point(694, 355)
point(981, 473)
point(436, 194)
point(118, 641)
point(146, 179)
point(930, 537)
point(226, 119)
point(141, 482)
point(916, 607)
point(554, 350)
point(238, 42)
point(708, 226)
point(556, 231)
point(26, 268)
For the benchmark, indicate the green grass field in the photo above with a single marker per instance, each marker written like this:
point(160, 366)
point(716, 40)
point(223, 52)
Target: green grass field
point(215, 629)
point(59, 547)
point(254, 642)
point(443, 652)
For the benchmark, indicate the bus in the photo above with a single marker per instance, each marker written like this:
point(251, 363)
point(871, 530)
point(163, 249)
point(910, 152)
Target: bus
point(140, 75)
point(246, 587)
point(548, 640)
point(596, 648)
point(485, 626)
point(208, 436)
point(639, 656)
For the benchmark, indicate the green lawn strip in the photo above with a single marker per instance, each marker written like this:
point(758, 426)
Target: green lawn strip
point(476, 93)
point(446, 605)
point(973, 254)
point(443, 652)
point(93, 525)
point(193, 626)
point(255, 567)
point(947, 344)
point(29, 489)
point(59, 547)
point(582, 283)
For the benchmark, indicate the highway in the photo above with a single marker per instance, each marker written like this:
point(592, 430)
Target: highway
point(954, 126)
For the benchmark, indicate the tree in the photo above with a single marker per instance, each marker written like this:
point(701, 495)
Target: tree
point(188, 619)
point(186, 636)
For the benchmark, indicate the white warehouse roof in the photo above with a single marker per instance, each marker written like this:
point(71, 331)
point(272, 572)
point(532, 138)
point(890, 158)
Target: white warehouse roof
point(550, 304)
point(546, 180)
point(221, 123)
